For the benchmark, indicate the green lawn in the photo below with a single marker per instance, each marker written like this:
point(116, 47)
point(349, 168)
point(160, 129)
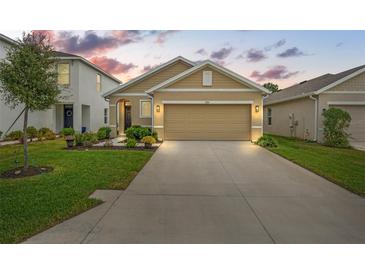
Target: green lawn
point(345, 167)
point(30, 205)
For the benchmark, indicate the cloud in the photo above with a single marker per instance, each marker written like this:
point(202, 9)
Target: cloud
point(201, 52)
point(221, 54)
point(276, 45)
point(147, 68)
point(255, 55)
point(340, 44)
point(292, 52)
point(162, 36)
point(91, 43)
point(111, 65)
point(277, 72)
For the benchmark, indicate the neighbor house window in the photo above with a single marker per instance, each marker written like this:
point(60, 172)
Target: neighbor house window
point(269, 116)
point(105, 115)
point(145, 109)
point(98, 82)
point(63, 71)
point(207, 78)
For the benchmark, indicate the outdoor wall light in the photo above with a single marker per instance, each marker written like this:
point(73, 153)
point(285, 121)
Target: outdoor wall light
point(158, 108)
point(257, 108)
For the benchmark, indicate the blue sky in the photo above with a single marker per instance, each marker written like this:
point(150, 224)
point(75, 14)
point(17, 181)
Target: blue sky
point(282, 57)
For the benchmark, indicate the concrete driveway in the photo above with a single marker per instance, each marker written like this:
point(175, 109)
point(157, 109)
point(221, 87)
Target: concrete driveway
point(221, 192)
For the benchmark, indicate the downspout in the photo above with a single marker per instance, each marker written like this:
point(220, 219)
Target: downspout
point(315, 117)
point(153, 113)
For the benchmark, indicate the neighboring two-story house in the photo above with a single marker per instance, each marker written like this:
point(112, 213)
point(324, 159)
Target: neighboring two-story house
point(80, 106)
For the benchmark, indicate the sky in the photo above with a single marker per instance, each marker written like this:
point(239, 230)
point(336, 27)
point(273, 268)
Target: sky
point(282, 57)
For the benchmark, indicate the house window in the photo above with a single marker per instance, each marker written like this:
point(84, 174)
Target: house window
point(145, 109)
point(269, 116)
point(207, 78)
point(63, 71)
point(105, 115)
point(98, 82)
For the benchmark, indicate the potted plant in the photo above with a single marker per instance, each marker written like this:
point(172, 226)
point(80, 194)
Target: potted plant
point(68, 134)
point(148, 141)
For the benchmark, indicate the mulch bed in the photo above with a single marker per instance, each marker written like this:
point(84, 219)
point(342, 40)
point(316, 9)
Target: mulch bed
point(112, 148)
point(19, 173)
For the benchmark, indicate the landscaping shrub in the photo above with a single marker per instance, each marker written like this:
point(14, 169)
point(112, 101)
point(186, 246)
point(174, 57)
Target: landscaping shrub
point(90, 139)
point(131, 143)
point(14, 135)
point(336, 122)
point(104, 133)
point(79, 139)
point(155, 135)
point(266, 141)
point(67, 131)
point(32, 133)
point(137, 132)
point(148, 140)
point(1, 133)
point(49, 135)
point(42, 133)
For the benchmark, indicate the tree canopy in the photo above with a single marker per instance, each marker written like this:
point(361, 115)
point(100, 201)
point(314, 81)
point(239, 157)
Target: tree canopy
point(271, 86)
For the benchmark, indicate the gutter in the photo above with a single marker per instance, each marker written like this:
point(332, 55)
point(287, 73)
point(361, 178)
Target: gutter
point(315, 117)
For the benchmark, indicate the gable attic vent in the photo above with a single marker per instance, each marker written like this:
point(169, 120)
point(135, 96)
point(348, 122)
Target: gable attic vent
point(207, 78)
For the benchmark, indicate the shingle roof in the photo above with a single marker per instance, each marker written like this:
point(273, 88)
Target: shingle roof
point(310, 86)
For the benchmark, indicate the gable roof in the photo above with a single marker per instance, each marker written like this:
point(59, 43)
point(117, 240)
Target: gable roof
point(68, 56)
point(223, 70)
point(147, 74)
point(314, 86)
point(7, 39)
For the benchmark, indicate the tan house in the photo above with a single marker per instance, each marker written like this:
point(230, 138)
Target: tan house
point(296, 111)
point(184, 100)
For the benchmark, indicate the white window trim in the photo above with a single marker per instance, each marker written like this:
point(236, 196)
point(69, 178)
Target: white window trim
point(140, 108)
point(207, 102)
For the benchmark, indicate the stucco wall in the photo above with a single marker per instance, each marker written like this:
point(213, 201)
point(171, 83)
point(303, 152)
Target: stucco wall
point(304, 113)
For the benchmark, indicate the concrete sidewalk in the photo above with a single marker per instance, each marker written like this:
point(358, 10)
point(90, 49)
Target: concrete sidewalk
point(222, 192)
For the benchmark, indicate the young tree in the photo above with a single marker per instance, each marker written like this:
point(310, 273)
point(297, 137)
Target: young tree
point(28, 78)
point(271, 86)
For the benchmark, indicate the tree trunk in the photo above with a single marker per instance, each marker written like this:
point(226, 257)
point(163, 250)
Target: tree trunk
point(25, 139)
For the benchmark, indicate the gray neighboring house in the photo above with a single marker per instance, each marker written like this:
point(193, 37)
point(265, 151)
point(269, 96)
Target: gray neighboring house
point(297, 110)
point(80, 104)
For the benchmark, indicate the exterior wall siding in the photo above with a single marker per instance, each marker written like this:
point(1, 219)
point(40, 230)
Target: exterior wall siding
point(304, 114)
point(159, 77)
point(195, 80)
point(356, 83)
point(324, 98)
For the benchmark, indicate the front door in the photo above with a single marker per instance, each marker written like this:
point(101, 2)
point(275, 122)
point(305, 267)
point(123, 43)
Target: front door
point(127, 117)
point(68, 117)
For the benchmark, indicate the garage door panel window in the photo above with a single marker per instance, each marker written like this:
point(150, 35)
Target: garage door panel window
point(145, 109)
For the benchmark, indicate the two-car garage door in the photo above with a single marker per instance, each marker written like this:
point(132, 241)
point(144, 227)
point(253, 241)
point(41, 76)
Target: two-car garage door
point(357, 125)
point(207, 122)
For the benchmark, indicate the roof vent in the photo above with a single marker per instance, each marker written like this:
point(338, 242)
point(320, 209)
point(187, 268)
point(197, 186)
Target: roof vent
point(303, 82)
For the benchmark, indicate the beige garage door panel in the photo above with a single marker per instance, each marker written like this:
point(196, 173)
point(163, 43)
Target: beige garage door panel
point(207, 122)
point(357, 126)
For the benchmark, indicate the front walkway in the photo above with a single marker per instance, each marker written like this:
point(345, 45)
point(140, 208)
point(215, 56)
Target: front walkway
point(221, 192)
point(358, 145)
